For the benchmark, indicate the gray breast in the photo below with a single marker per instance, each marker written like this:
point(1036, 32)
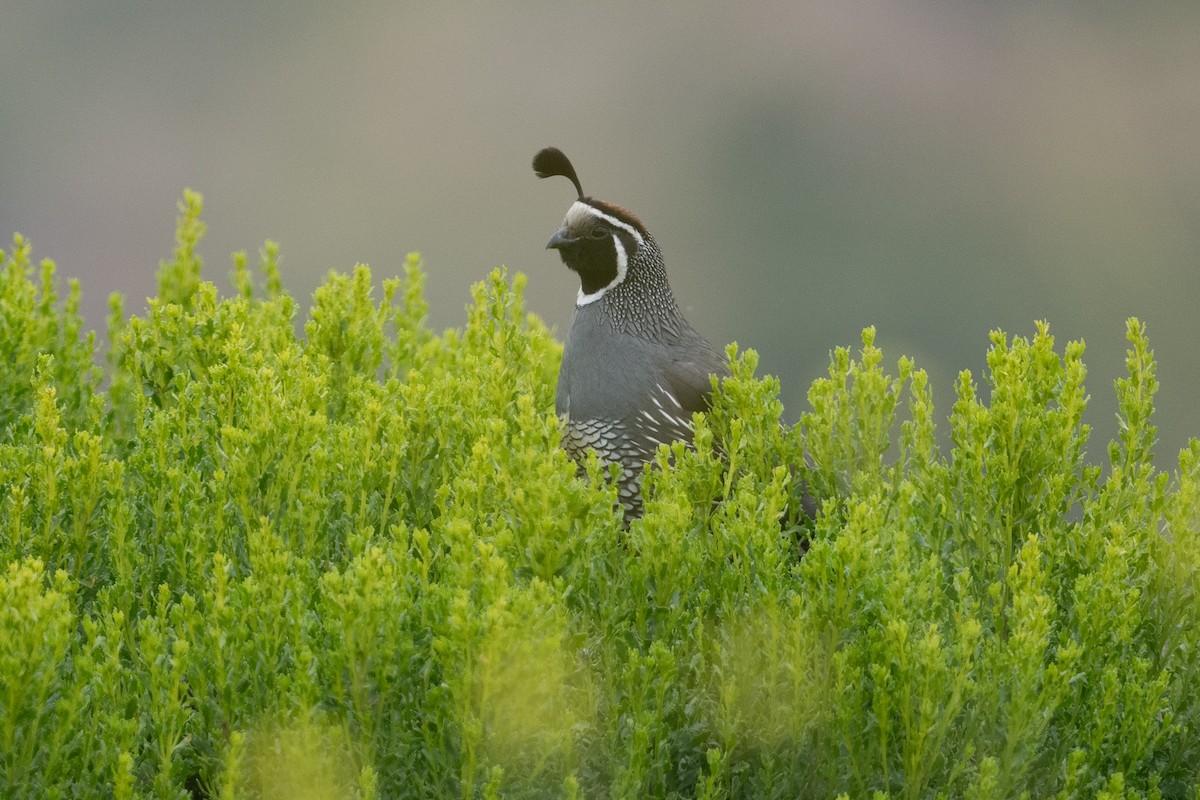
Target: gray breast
point(622, 395)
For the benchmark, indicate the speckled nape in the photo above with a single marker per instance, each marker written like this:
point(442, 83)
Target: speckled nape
point(643, 304)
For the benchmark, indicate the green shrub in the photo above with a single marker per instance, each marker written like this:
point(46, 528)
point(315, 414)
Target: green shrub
point(246, 564)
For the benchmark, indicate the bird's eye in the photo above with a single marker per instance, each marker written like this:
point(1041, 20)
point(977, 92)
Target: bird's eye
point(599, 232)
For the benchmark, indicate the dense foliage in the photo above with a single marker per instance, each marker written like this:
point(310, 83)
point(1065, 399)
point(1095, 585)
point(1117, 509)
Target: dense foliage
point(243, 563)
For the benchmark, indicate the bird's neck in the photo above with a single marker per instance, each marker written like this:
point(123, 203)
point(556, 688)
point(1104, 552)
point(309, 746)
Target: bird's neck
point(643, 304)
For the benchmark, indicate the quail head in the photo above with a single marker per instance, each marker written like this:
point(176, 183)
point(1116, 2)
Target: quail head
point(633, 369)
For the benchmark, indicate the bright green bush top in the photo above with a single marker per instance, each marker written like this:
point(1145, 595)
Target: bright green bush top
point(241, 563)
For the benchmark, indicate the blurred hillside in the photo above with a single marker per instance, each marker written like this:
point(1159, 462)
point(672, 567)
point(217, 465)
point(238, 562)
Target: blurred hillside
point(936, 170)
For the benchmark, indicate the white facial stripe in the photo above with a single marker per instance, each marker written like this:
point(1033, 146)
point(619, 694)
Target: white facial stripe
point(584, 299)
point(581, 209)
point(622, 260)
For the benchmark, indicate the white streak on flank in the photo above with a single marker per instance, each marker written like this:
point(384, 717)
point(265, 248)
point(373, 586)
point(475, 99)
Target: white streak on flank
point(680, 421)
point(669, 396)
point(575, 215)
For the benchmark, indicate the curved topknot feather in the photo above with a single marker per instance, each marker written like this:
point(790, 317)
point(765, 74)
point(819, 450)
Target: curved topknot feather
point(552, 161)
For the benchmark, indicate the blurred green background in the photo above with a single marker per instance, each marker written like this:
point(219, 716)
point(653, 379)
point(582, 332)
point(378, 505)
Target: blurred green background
point(934, 169)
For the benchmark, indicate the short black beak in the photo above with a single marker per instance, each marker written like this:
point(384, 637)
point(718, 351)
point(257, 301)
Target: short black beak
point(559, 240)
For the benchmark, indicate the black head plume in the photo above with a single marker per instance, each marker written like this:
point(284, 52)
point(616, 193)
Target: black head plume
point(551, 161)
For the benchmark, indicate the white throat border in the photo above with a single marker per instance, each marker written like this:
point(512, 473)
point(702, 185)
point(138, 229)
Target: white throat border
point(579, 209)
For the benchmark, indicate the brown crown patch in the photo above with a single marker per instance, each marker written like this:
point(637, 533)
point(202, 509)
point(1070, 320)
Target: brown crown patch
point(623, 214)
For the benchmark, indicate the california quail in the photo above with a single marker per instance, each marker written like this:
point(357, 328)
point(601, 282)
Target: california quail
point(633, 369)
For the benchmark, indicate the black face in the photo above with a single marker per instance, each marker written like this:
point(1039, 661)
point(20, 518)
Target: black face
point(593, 257)
point(599, 241)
